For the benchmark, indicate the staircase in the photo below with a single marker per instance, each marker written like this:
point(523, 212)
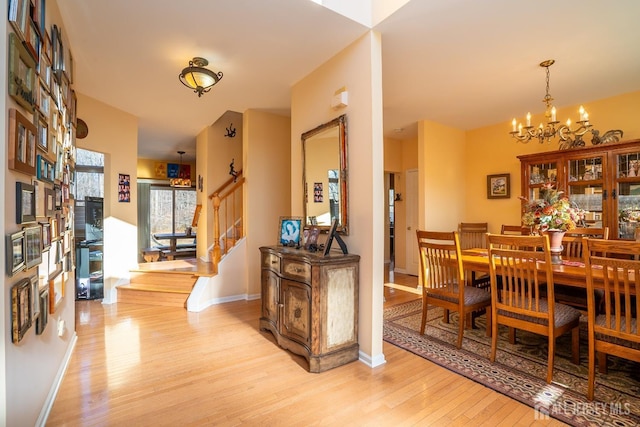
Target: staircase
point(168, 288)
point(170, 283)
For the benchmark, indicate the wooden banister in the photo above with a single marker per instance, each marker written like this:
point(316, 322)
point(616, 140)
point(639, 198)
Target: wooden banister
point(228, 183)
point(226, 199)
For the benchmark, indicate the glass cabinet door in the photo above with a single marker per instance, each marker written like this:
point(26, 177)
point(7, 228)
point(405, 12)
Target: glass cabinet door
point(540, 173)
point(626, 194)
point(585, 184)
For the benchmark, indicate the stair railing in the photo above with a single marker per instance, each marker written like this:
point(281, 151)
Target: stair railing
point(227, 216)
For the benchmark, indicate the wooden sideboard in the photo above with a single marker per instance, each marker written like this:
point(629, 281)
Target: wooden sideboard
point(310, 304)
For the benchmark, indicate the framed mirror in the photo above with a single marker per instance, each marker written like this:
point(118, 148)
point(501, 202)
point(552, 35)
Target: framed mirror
point(324, 175)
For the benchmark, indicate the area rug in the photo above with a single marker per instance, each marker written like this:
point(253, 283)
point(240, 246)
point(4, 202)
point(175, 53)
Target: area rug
point(520, 370)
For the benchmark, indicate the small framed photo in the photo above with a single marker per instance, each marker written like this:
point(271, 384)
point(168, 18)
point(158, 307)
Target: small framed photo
point(35, 297)
point(46, 235)
point(22, 143)
point(289, 231)
point(499, 186)
point(15, 253)
point(43, 318)
point(49, 202)
point(33, 246)
point(311, 237)
point(20, 309)
point(25, 203)
point(56, 291)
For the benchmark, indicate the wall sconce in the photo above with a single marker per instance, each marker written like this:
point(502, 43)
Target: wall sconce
point(198, 78)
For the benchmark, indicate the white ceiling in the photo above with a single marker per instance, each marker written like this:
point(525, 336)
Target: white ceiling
point(462, 63)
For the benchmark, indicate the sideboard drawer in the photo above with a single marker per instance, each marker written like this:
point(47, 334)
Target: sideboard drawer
point(271, 261)
point(296, 270)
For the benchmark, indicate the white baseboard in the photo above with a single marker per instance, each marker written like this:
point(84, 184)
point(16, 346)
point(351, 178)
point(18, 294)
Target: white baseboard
point(55, 387)
point(372, 362)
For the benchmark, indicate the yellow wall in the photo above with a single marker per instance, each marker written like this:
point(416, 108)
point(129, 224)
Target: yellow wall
point(267, 159)
point(491, 150)
point(358, 69)
point(441, 176)
point(215, 152)
point(114, 133)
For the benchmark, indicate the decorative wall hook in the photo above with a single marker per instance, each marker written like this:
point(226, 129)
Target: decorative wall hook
point(232, 171)
point(231, 131)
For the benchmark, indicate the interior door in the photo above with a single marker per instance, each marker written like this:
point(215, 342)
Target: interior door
point(411, 190)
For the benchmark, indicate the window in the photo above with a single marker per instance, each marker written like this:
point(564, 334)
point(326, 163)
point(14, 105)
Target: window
point(89, 174)
point(170, 209)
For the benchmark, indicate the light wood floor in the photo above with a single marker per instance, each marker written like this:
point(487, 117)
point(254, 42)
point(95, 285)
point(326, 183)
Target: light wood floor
point(139, 365)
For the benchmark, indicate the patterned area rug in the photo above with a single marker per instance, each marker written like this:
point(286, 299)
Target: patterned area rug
point(520, 370)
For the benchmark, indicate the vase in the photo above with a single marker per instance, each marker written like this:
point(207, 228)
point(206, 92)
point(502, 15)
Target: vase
point(555, 242)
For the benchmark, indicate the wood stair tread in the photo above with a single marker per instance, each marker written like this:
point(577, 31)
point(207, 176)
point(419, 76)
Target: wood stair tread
point(146, 287)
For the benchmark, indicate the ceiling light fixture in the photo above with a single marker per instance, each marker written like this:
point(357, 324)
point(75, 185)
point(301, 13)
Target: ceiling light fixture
point(198, 78)
point(569, 137)
point(181, 181)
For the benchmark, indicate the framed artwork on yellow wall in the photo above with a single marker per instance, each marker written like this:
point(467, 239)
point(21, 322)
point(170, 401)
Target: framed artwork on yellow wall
point(499, 186)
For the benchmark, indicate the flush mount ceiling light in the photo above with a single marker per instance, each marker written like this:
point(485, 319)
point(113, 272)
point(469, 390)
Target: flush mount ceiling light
point(198, 78)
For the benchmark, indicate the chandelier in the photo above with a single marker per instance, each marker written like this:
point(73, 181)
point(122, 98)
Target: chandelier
point(198, 78)
point(569, 137)
point(180, 181)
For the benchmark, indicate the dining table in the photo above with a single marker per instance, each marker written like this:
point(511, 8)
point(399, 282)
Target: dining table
point(173, 238)
point(571, 271)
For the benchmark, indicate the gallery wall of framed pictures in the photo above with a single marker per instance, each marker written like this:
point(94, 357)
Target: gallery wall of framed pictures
point(42, 127)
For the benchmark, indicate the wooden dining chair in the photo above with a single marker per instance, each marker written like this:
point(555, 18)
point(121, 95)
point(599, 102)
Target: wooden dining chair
point(517, 230)
point(572, 249)
point(443, 283)
point(615, 329)
point(472, 236)
point(523, 266)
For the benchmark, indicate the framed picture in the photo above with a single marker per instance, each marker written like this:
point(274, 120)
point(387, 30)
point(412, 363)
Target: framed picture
point(15, 253)
point(25, 203)
point(22, 73)
point(18, 15)
point(22, 143)
point(32, 41)
point(499, 186)
point(173, 169)
point(46, 45)
point(35, 297)
point(44, 169)
point(124, 191)
point(57, 52)
point(49, 206)
point(43, 318)
point(46, 235)
point(311, 238)
point(289, 231)
point(333, 235)
point(20, 309)
point(56, 291)
point(42, 142)
point(33, 246)
point(58, 196)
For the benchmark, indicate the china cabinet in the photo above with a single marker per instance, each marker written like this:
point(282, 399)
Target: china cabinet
point(310, 304)
point(603, 180)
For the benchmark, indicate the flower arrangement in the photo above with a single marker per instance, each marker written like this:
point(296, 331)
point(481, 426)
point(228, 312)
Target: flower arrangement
point(553, 211)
